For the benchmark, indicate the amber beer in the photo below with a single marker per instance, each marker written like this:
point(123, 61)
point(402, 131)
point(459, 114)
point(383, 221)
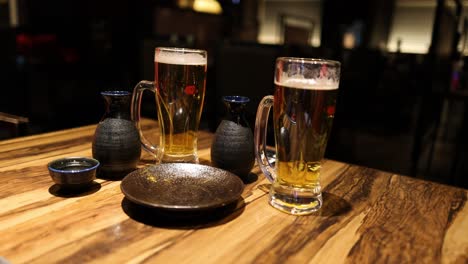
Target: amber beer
point(303, 115)
point(303, 112)
point(180, 91)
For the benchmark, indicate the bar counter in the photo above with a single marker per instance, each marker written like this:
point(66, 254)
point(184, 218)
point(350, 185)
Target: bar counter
point(369, 216)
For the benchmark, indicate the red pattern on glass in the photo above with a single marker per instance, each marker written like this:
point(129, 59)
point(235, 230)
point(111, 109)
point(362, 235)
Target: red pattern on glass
point(190, 89)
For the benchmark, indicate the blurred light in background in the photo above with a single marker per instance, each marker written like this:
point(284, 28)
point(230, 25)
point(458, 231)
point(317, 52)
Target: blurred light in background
point(412, 26)
point(207, 6)
point(202, 6)
point(270, 12)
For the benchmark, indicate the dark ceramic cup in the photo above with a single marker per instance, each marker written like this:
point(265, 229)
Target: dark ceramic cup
point(73, 172)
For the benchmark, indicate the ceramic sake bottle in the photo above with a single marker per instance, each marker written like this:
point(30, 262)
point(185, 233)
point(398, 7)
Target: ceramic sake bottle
point(232, 148)
point(116, 142)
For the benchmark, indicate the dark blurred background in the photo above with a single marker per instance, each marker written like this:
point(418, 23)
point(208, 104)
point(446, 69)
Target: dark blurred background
point(403, 90)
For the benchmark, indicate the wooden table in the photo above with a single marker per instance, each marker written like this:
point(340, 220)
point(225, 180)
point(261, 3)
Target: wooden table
point(368, 216)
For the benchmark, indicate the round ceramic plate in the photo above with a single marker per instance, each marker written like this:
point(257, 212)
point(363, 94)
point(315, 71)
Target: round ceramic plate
point(182, 186)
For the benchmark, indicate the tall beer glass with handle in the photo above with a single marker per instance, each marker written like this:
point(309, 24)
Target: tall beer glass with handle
point(303, 111)
point(179, 86)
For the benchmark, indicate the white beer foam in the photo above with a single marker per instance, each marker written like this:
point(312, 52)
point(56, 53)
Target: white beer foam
point(299, 82)
point(180, 58)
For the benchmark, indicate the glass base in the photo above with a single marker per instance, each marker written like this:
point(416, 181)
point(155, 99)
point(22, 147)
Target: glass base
point(296, 201)
point(192, 158)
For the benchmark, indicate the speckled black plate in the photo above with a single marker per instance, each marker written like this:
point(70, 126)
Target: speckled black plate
point(182, 186)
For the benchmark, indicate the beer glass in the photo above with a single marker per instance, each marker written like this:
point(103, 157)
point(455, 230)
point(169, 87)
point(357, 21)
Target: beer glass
point(179, 87)
point(303, 110)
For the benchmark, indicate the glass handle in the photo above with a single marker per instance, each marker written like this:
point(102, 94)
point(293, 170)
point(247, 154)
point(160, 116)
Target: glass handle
point(135, 113)
point(261, 124)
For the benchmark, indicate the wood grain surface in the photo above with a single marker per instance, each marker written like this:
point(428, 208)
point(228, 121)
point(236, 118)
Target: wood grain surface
point(369, 216)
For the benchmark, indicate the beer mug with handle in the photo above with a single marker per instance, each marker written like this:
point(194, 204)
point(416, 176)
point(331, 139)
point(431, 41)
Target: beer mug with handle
point(303, 111)
point(179, 87)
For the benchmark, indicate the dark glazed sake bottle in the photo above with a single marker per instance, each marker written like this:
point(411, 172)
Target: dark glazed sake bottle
point(116, 142)
point(232, 148)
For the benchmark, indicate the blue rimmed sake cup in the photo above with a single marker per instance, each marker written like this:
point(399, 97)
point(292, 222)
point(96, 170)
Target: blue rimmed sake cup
point(73, 172)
